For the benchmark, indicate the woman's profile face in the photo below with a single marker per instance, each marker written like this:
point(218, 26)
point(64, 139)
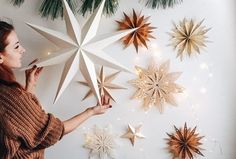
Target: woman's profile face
point(13, 51)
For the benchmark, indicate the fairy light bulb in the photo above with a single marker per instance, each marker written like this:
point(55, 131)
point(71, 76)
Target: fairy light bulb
point(203, 90)
point(204, 66)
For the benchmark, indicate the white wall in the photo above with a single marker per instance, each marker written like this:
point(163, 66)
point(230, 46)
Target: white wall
point(213, 112)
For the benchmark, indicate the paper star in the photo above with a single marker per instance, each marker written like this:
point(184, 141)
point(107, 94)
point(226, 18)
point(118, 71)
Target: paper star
point(104, 84)
point(101, 142)
point(156, 86)
point(133, 133)
point(184, 143)
point(140, 36)
point(188, 37)
point(80, 49)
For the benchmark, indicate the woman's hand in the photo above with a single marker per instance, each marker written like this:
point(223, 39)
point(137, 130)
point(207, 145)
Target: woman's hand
point(32, 76)
point(100, 109)
point(72, 123)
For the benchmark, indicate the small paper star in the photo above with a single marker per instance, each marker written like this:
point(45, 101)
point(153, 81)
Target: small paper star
point(184, 143)
point(101, 142)
point(104, 84)
point(140, 36)
point(133, 133)
point(188, 37)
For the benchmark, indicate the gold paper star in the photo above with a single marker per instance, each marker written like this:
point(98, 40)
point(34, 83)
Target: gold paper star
point(140, 35)
point(188, 37)
point(133, 133)
point(156, 86)
point(184, 143)
point(104, 84)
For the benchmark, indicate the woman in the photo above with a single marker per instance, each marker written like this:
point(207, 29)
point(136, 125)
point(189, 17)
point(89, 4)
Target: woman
point(25, 128)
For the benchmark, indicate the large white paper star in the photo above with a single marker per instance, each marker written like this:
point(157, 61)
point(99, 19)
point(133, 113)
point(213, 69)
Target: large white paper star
point(80, 49)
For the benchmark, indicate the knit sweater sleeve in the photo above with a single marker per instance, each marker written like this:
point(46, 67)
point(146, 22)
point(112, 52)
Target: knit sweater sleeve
point(27, 122)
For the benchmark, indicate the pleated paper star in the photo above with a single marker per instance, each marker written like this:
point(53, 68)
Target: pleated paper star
point(80, 49)
point(188, 37)
point(133, 134)
point(156, 86)
point(184, 143)
point(101, 142)
point(140, 36)
point(104, 85)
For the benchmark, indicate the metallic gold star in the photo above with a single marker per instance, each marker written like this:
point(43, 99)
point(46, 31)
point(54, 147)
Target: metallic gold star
point(133, 133)
point(104, 84)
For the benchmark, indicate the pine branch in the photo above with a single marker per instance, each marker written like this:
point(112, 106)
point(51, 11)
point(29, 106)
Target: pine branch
point(17, 2)
point(110, 6)
point(54, 8)
point(162, 3)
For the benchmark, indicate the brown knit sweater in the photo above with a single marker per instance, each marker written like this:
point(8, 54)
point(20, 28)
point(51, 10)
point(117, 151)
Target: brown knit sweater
point(25, 128)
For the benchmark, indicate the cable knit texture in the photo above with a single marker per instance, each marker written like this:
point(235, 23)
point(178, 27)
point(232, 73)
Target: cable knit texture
point(25, 128)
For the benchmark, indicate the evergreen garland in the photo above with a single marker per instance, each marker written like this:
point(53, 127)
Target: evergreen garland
point(17, 2)
point(54, 8)
point(162, 3)
point(110, 6)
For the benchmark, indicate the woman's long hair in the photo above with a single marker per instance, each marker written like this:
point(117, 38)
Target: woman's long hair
point(6, 74)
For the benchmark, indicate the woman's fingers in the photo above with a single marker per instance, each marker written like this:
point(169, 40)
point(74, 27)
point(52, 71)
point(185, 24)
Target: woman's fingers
point(35, 60)
point(39, 70)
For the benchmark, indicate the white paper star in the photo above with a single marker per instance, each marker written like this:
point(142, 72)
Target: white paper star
point(133, 133)
point(101, 142)
point(80, 49)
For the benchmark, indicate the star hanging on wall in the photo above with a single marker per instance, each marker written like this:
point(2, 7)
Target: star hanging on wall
point(101, 142)
point(133, 134)
point(156, 86)
point(188, 37)
point(184, 143)
point(141, 35)
point(80, 49)
point(104, 84)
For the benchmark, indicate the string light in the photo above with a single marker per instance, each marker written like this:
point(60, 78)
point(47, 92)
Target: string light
point(210, 75)
point(203, 90)
point(204, 66)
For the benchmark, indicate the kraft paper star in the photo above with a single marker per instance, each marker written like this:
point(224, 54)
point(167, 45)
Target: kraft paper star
point(104, 84)
point(184, 143)
point(140, 36)
point(188, 37)
point(133, 134)
point(156, 85)
point(101, 142)
point(80, 49)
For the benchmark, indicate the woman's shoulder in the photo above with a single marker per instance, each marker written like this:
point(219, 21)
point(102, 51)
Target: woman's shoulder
point(10, 90)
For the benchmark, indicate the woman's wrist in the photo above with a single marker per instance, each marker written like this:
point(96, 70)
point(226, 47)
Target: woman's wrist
point(89, 111)
point(30, 87)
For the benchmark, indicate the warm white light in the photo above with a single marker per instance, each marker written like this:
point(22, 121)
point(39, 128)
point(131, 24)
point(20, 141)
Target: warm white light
point(49, 53)
point(210, 75)
point(204, 66)
point(203, 90)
